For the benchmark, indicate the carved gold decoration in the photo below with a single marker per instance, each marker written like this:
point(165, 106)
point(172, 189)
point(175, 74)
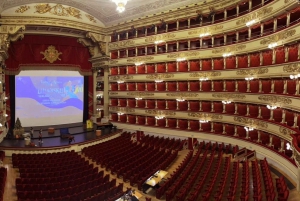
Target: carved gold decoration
point(96, 38)
point(58, 10)
point(113, 93)
point(251, 122)
point(206, 116)
point(205, 74)
point(228, 96)
point(292, 68)
point(160, 112)
point(139, 94)
point(286, 131)
point(159, 76)
point(206, 30)
point(121, 44)
point(98, 64)
point(288, 1)
point(51, 54)
point(256, 71)
point(182, 95)
point(121, 109)
point(183, 54)
point(91, 18)
point(255, 15)
point(234, 48)
point(121, 77)
point(275, 99)
point(278, 37)
point(140, 59)
point(22, 9)
point(160, 37)
point(9, 33)
point(92, 51)
point(113, 62)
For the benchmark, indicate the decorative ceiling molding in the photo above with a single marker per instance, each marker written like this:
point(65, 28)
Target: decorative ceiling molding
point(58, 10)
point(160, 112)
point(182, 95)
point(121, 77)
point(256, 71)
point(275, 99)
point(209, 30)
point(205, 74)
point(139, 94)
point(234, 48)
point(159, 76)
point(228, 96)
point(292, 68)
point(140, 59)
point(22, 9)
point(251, 122)
point(255, 15)
point(278, 37)
point(121, 109)
point(165, 36)
point(206, 116)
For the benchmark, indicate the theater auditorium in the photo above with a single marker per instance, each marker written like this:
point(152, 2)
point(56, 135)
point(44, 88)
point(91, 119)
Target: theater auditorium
point(135, 100)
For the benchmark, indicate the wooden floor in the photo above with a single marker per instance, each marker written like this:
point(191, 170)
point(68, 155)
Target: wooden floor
point(10, 190)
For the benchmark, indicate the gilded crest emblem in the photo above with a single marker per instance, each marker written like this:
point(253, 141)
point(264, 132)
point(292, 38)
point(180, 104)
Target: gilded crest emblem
point(51, 54)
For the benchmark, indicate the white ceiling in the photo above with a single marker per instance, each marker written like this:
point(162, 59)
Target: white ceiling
point(105, 10)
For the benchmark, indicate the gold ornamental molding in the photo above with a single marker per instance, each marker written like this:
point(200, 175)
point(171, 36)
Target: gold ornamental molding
point(160, 112)
point(205, 74)
point(139, 94)
point(121, 44)
point(165, 36)
point(51, 54)
point(251, 122)
point(234, 48)
point(275, 99)
point(91, 18)
point(159, 76)
point(206, 30)
point(140, 59)
point(256, 15)
point(22, 9)
point(182, 95)
point(292, 68)
point(228, 96)
point(122, 77)
point(278, 37)
point(58, 10)
point(286, 131)
point(206, 116)
point(121, 109)
point(113, 62)
point(288, 1)
point(256, 71)
point(113, 93)
point(183, 54)
point(297, 157)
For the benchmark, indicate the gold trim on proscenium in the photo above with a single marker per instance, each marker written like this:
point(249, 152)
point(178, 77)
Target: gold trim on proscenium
point(51, 54)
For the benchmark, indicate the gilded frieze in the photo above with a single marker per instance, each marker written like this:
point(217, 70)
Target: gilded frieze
point(292, 68)
point(51, 54)
point(121, 77)
point(256, 71)
point(58, 10)
point(234, 48)
point(159, 76)
point(183, 54)
point(204, 30)
point(205, 74)
point(121, 109)
point(165, 36)
point(121, 44)
point(278, 37)
point(113, 93)
point(140, 59)
point(160, 112)
point(286, 131)
point(22, 9)
point(182, 95)
point(251, 122)
point(206, 116)
point(297, 157)
point(275, 99)
point(228, 96)
point(113, 62)
point(91, 18)
point(256, 15)
point(98, 64)
point(139, 94)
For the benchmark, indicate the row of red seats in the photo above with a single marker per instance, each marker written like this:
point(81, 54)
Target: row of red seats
point(282, 189)
point(268, 181)
point(233, 181)
point(245, 182)
point(257, 185)
point(223, 180)
point(3, 176)
point(161, 142)
point(43, 157)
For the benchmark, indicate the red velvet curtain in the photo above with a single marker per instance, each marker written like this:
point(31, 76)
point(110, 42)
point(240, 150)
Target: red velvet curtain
point(141, 103)
point(151, 86)
point(243, 61)
point(172, 104)
point(206, 86)
point(151, 104)
point(113, 102)
point(131, 70)
point(161, 67)
point(206, 106)
point(161, 86)
point(114, 71)
point(182, 86)
point(194, 65)
point(183, 106)
point(280, 55)
point(266, 86)
point(242, 86)
point(161, 104)
point(289, 118)
point(293, 53)
point(114, 86)
point(183, 124)
point(267, 57)
point(230, 108)
point(277, 115)
point(206, 64)
point(141, 86)
point(150, 68)
point(219, 64)
point(141, 69)
point(291, 87)
point(254, 86)
point(172, 67)
point(194, 125)
point(141, 120)
point(230, 86)
point(218, 86)
point(230, 62)
point(131, 86)
point(123, 102)
point(194, 86)
point(114, 117)
point(131, 102)
point(265, 113)
point(278, 86)
point(253, 111)
point(172, 123)
point(218, 107)
point(242, 109)
point(123, 70)
point(122, 87)
point(194, 105)
point(183, 66)
point(254, 60)
point(229, 129)
point(171, 86)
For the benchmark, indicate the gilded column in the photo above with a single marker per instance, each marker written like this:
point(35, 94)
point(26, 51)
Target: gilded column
point(283, 117)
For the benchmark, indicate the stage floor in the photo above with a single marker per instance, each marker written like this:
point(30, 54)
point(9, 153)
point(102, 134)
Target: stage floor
point(54, 140)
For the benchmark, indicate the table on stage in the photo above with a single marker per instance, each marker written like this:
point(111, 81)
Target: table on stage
point(133, 193)
point(156, 178)
point(105, 125)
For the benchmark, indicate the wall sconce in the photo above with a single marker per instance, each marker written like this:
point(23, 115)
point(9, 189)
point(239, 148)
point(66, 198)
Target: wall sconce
point(120, 82)
point(203, 79)
point(158, 81)
point(203, 121)
point(251, 22)
point(227, 54)
point(139, 63)
point(159, 117)
point(180, 59)
point(138, 98)
point(249, 78)
point(5, 98)
point(120, 113)
point(294, 76)
point(226, 102)
point(248, 128)
point(180, 99)
point(158, 42)
point(204, 34)
point(6, 115)
point(271, 107)
point(288, 146)
point(272, 45)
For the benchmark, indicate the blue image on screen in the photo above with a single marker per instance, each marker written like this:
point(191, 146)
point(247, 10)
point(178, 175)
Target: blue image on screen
point(51, 91)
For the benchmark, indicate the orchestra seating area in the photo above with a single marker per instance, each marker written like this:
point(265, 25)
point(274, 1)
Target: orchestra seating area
point(208, 174)
point(3, 175)
point(64, 176)
point(134, 161)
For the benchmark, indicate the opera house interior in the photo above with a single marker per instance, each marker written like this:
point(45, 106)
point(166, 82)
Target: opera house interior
point(175, 100)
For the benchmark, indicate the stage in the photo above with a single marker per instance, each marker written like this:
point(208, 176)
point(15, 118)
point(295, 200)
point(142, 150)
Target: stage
point(77, 130)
